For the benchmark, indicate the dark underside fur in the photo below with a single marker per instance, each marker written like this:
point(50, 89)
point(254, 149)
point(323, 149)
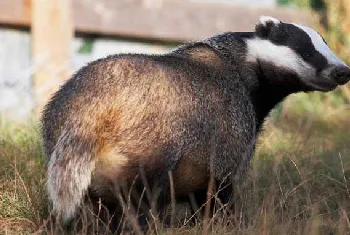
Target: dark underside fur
point(199, 104)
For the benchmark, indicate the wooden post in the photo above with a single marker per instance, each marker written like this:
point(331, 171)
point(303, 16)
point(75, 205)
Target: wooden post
point(52, 34)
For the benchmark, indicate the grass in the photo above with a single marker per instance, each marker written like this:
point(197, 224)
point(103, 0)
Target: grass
point(299, 177)
point(22, 195)
point(298, 181)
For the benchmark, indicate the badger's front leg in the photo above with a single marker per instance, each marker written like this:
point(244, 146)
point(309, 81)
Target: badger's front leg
point(228, 168)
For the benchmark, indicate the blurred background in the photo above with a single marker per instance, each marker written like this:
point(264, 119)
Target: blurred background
point(42, 42)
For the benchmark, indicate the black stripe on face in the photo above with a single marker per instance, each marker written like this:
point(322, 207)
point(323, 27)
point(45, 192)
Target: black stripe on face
point(299, 41)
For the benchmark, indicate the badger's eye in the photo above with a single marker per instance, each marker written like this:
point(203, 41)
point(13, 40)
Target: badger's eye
point(308, 55)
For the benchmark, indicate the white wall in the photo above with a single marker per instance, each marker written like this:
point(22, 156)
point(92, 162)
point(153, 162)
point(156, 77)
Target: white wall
point(15, 65)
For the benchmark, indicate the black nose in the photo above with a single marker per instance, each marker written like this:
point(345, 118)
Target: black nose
point(341, 74)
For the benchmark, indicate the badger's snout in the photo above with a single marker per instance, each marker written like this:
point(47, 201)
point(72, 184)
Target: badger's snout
point(341, 74)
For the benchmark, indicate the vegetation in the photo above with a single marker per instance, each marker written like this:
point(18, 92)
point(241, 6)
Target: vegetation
point(298, 181)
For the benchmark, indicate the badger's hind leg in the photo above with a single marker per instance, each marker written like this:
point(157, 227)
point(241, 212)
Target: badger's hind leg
point(112, 190)
point(120, 208)
point(134, 189)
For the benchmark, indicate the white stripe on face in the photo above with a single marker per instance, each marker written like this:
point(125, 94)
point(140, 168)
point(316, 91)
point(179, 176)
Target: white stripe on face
point(280, 56)
point(321, 46)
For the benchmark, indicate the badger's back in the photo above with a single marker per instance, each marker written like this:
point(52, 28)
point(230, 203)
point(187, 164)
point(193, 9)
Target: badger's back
point(130, 87)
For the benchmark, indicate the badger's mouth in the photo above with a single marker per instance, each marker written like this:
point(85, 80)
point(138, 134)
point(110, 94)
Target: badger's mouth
point(325, 86)
point(330, 78)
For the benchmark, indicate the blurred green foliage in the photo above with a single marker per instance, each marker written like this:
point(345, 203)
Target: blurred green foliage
point(86, 46)
point(313, 4)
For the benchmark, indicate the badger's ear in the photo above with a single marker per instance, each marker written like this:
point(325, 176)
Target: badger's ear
point(266, 23)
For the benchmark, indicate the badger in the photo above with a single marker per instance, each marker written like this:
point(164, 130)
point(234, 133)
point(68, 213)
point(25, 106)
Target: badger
point(194, 112)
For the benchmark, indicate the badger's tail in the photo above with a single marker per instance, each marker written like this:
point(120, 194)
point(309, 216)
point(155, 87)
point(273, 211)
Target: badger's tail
point(69, 173)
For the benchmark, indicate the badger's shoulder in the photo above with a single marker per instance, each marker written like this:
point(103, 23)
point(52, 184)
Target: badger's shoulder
point(200, 52)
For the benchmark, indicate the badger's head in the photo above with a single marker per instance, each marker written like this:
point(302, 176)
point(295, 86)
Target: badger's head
point(298, 53)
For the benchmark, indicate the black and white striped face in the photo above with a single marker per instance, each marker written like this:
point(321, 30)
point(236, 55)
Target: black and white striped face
point(300, 50)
